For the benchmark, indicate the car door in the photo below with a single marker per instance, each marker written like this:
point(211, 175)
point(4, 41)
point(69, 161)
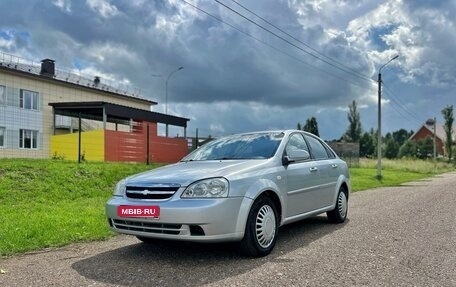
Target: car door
point(323, 194)
point(302, 178)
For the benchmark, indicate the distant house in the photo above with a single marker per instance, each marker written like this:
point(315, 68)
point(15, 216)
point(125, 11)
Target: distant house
point(46, 112)
point(428, 130)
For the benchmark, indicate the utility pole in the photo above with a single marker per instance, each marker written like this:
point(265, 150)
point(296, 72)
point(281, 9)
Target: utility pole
point(433, 122)
point(379, 132)
point(197, 139)
point(435, 147)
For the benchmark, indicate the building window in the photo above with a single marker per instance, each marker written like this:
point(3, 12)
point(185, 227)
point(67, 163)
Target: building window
point(28, 139)
point(2, 95)
point(29, 100)
point(2, 137)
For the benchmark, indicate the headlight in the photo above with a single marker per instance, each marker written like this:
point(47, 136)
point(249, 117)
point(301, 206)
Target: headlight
point(120, 188)
point(212, 187)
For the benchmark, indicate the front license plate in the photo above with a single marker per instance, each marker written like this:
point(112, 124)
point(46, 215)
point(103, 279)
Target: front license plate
point(138, 211)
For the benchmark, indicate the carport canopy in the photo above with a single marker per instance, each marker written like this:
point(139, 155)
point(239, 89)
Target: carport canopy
point(113, 113)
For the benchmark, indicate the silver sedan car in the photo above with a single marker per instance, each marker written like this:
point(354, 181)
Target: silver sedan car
point(237, 188)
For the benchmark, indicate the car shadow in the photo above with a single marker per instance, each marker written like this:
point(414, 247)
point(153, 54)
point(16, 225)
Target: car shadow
point(173, 263)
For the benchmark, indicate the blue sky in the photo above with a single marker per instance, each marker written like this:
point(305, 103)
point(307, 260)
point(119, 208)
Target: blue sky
point(237, 77)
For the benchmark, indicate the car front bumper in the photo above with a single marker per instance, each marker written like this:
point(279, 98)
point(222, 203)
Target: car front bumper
point(199, 220)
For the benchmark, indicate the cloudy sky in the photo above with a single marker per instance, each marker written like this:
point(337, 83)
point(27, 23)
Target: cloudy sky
point(250, 64)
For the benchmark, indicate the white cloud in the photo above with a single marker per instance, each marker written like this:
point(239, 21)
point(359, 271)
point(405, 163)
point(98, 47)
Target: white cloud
point(217, 128)
point(105, 52)
point(64, 5)
point(6, 44)
point(103, 7)
point(235, 83)
point(414, 33)
point(329, 14)
point(168, 25)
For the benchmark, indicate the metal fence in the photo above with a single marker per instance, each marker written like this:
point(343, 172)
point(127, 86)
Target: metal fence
point(347, 151)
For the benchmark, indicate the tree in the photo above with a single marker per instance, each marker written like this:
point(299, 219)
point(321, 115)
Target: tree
point(366, 145)
point(353, 133)
point(425, 147)
point(448, 127)
point(408, 149)
point(311, 126)
point(391, 148)
point(401, 136)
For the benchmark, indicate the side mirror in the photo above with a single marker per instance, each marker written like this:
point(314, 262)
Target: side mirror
point(295, 155)
point(286, 160)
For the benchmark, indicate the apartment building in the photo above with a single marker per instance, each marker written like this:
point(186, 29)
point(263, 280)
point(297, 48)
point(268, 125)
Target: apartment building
point(46, 112)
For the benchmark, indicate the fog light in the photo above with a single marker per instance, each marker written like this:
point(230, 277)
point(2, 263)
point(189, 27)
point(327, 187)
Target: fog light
point(196, 230)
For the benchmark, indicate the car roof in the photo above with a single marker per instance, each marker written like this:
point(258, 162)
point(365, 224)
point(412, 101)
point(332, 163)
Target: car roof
point(286, 132)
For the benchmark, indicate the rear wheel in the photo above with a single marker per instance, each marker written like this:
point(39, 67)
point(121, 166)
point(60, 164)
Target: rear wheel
point(261, 228)
point(339, 213)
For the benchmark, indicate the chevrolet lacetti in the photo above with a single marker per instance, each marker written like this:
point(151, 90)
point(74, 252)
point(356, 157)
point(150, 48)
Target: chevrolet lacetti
point(237, 188)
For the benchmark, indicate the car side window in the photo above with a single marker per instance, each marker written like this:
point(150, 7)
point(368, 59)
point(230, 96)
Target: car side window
point(318, 150)
point(296, 142)
point(331, 154)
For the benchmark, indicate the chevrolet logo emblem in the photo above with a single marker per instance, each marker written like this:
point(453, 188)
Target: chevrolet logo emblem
point(145, 192)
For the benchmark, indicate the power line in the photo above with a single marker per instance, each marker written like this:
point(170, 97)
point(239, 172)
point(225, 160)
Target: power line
point(412, 118)
point(298, 40)
point(364, 85)
point(393, 94)
point(405, 115)
point(294, 45)
point(400, 104)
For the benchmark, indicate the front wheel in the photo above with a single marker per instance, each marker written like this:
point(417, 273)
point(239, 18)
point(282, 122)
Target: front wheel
point(339, 213)
point(261, 228)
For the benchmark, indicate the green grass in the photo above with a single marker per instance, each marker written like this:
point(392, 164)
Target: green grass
point(365, 178)
point(394, 172)
point(418, 166)
point(46, 203)
point(49, 203)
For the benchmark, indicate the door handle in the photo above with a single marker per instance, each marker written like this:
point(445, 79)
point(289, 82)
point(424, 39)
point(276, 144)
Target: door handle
point(334, 166)
point(313, 169)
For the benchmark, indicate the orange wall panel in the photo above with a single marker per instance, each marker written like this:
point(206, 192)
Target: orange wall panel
point(132, 146)
point(125, 146)
point(167, 150)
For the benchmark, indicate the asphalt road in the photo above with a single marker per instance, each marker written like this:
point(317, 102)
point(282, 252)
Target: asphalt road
point(402, 236)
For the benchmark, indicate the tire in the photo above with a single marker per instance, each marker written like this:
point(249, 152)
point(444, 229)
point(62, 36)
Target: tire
point(339, 213)
point(261, 229)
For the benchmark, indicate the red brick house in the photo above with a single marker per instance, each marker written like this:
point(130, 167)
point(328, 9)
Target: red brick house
point(428, 130)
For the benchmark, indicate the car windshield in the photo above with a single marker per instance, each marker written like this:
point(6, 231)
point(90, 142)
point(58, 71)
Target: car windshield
point(245, 146)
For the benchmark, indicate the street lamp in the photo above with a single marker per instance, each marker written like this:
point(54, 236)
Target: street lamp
point(379, 132)
point(166, 94)
point(166, 88)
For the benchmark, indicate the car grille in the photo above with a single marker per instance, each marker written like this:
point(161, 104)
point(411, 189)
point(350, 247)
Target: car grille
point(157, 191)
point(148, 227)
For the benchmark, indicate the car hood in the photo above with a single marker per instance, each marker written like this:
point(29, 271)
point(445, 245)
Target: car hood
point(184, 173)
